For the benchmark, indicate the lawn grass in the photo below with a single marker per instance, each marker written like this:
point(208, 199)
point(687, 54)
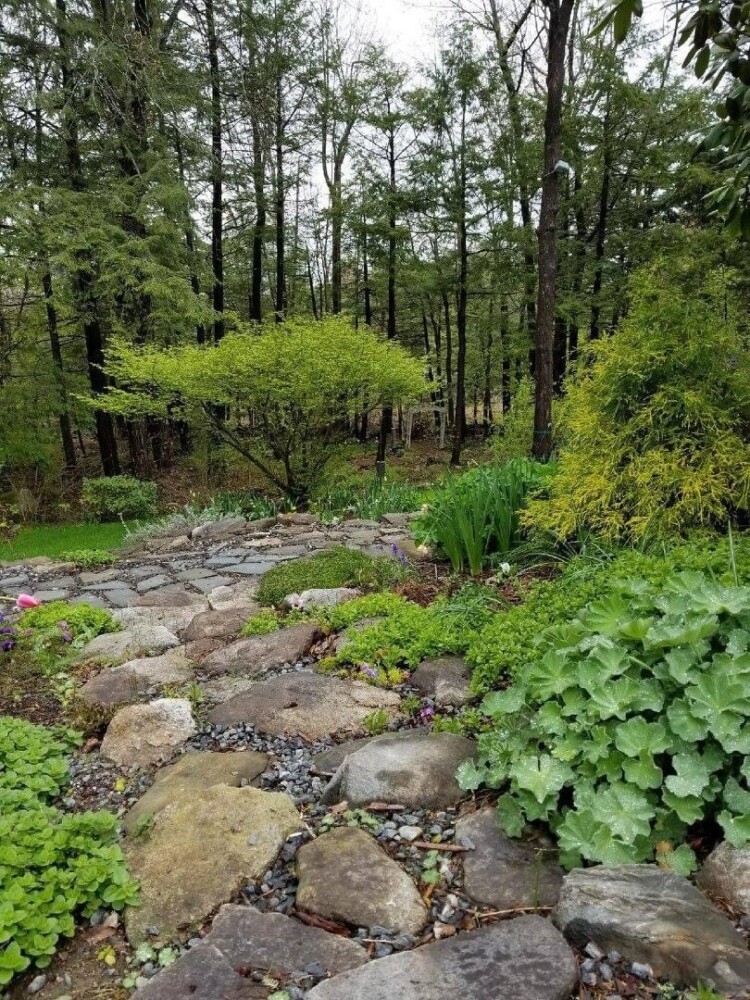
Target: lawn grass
point(55, 539)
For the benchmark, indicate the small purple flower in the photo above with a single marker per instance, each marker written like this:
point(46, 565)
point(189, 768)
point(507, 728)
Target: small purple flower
point(399, 554)
point(65, 629)
point(369, 671)
point(426, 713)
point(7, 645)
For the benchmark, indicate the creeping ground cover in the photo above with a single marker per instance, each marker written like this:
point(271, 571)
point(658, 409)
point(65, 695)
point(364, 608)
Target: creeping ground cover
point(632, 726)
point(53, 866)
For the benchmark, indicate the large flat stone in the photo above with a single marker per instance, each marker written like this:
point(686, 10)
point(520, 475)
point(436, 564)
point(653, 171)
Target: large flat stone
point(726, 874)
point(211, 583)
point(654, 916)
point(190, 775)
point(176, 620)
point(305, 704)
point(144, 735)
point(331, 760)
point(521, 959)
point(256, 940)
point(419, 772)
point(132, 681)
point(504, 873)
point(224, 528)
point(444, 679)
point(137, 640)
point(255, 656)
point(321, 598)
point(201, 974)
point(346, 876)
point(219, 624)
point(152, 583)
point(199, 851)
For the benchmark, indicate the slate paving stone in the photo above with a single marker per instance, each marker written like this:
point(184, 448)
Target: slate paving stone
point(152, 583)
point(195, 573)
point(91, 599)
point(45, 596)
point(122, 597)
point(61, 583)
point(143, 572)
point(115, 584)
point(254, 568)
point(99, 576)
point(209, 583)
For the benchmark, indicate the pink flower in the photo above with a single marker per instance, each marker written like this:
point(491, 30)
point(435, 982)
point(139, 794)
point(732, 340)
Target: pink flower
point(26, 601)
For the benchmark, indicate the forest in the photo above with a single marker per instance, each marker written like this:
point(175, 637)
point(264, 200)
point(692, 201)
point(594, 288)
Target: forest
point(171, 173)
point(374, 500)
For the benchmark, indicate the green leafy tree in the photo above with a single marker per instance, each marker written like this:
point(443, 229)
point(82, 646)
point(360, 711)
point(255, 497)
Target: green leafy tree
point(299, 379)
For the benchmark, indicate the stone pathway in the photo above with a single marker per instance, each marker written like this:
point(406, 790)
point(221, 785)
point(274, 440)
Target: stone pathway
point(291, 857)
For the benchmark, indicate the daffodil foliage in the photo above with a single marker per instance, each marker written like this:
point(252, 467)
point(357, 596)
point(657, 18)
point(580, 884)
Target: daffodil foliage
point(280, 394)
point(633, 725)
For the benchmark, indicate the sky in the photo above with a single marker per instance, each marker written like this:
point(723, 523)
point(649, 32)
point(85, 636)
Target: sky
point(408, 26)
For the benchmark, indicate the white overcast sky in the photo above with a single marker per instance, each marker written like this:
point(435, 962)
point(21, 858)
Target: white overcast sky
point(408, 26)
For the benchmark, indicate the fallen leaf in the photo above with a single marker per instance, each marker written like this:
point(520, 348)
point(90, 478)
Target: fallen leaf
point(99, 933)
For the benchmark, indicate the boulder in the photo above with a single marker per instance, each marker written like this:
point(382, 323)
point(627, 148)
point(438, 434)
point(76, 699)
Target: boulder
point(521, 959)
point(346, 876)
point(226, 598)
point(305, 704)
point(504, 873)
point(256, 940)
point(223, 528)
point(189, 777)
point(176, 620)
point(144, 735)
point(200, 851)
point(321, 598)
point(444, 679)
point(656, 917)
point(257, 655)
point(201, 974)
point(329, 761)
point(137, 640)
point(419, 772)
point(726, 874)
point(132, 681)
point(224, 624)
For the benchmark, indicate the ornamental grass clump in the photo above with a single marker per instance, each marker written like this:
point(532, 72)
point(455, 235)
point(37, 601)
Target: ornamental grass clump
point(632, 727)
point(477, 515)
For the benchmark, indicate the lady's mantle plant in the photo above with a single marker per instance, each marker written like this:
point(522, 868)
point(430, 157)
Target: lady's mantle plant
point(53, 865)
point(633, 725)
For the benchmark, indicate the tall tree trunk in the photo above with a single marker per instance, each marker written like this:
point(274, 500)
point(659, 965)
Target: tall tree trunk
point(200, 330)
point(256, 281)
point(459, 428)
point(336, 237)
point(83, 283)
point(559, 23)
point(280, 206)
point(66, 430)
point(217, 175)
point(601, 237)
